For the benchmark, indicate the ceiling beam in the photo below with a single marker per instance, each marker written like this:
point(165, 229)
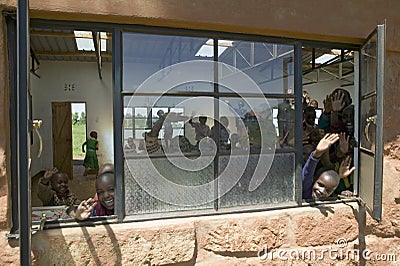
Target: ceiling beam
point(79, 53)
point(97, 50)
point(66, 34)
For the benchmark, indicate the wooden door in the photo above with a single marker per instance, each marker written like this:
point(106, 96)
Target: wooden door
point(62, 137)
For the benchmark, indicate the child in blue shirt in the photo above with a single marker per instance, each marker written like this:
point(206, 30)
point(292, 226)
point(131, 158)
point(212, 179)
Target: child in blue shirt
point(327, 179)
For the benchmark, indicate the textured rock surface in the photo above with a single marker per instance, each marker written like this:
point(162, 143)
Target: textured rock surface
point(238, 236)
point(318, 231)
point(116, 246)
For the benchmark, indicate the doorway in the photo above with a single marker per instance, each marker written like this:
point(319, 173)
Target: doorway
point(62, 136)
point(78, 130)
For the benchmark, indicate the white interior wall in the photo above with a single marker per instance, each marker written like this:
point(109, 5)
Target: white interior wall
point(325, 85)
point(88, 88)
point(98, 96)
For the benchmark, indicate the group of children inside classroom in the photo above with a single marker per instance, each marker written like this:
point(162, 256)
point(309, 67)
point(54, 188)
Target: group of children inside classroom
point(327, 161)
point(328, 148)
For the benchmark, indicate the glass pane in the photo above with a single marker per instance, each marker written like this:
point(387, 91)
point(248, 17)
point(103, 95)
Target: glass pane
point(368, 62)
point(154, 62)
point(367, 169)
point(276, 183)
point(180, 128)
point(269, 65)
point(162, 185)
point(259, 123)
point(371, 122)
point(368, 123)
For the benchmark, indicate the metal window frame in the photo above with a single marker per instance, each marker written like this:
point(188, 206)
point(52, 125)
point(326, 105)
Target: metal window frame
point(117, 30)
point(24, 197)
point(297, 150)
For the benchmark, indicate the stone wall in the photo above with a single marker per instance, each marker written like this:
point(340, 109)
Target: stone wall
point(223, 239)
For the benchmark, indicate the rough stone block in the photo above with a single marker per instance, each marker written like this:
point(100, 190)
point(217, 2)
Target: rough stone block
point(324, 230)
point(239, 236)
point(113, 245)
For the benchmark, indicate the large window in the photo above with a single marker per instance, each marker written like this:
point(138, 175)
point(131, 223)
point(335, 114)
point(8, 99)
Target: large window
point(213, 121)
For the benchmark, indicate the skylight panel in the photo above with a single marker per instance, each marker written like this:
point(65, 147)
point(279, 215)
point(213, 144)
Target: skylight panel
point(207, 49)
point(84, 40)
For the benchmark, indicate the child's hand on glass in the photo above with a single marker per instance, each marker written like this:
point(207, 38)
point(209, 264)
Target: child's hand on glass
point(344, 169)
point(324, 144)
point(84, 209)
point(343, 143)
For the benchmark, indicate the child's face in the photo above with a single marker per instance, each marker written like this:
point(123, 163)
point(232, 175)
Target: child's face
point(59, 182)
point(348, 118)
point(323, 187)
point(105, 192)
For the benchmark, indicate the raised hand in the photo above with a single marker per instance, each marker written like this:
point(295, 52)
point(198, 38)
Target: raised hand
point(328, 104)
point(343, 143)
point(344, 169)
point(324, 144)
point(337, 102)
point(48, 174)
point(84, 210)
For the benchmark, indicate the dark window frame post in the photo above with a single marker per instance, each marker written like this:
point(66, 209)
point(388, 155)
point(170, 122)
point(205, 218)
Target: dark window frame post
point(24, 192)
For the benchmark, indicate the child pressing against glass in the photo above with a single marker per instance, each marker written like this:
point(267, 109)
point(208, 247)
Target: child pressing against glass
point(92, 145)
point(104, 205)
point(327, 179)
point(54, 191)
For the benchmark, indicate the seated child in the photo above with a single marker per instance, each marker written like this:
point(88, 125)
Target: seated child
point(53, 189)
point(201, 129)
point(104, 205)
point(327, 180)
point(130, 146)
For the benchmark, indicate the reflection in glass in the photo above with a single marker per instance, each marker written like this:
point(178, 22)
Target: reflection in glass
point(177, 118)
point(147, 54)
point(139, 201)
point(270, 65)
point(276, 185)
point(369, 69)
point(368, 123)
point(259, 123)
point(185, 128)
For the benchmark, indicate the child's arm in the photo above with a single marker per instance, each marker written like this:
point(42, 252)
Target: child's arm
point(344, 169)
point(325, 119)
point(307, 176)
point(309, 168)
point(83, 147)
point(45, 193)
point(343, 145)
point(155, 130)
point(337, 105)
point(84, 210)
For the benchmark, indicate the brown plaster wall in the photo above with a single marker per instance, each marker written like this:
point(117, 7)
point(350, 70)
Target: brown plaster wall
point(4, 125)
point(9, 255)
point(341, 20)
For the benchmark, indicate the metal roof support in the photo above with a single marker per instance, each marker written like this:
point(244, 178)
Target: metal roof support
point(97, 49)
point(34, 62)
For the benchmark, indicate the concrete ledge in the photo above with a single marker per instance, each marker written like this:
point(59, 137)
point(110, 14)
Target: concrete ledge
point(195, 239)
